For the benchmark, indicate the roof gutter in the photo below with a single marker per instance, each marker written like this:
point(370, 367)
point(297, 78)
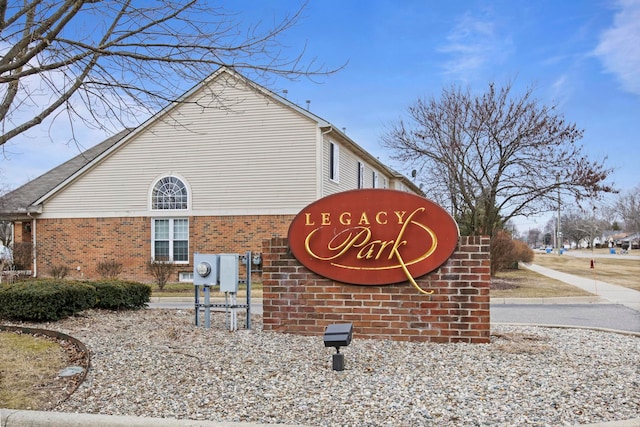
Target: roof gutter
point(321, 159)
point(33, 244)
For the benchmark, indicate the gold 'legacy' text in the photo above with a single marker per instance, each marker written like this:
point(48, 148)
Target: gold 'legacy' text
point(359, 240)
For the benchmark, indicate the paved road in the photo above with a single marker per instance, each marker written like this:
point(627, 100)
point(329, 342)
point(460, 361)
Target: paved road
point(608, 316)
point(633, 254)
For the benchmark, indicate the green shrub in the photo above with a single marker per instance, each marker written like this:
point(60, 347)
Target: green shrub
point(120, 295)
point(45, 300)
point(51, 299)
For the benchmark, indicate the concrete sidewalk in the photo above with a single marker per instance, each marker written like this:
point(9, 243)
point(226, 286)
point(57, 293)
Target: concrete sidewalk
point(613, 293)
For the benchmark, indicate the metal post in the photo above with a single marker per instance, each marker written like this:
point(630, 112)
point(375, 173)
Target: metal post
point(207, 307)
point(226, 308)
point(197, 304)
point(558, 232)
point(233, 326)
point(338, 361)
point(249, 262)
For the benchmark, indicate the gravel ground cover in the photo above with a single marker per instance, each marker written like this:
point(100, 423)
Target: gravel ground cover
point(157, 363)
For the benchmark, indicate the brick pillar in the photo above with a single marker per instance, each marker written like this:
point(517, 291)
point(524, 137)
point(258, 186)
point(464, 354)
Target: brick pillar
point(299, 301)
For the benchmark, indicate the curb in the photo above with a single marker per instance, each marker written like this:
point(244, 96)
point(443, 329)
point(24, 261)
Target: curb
point(588, 328)
point(20, 418)
point(554, 300)
point(624, 423)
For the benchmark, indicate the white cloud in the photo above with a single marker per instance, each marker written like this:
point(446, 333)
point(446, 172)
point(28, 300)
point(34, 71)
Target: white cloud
point(560, 89)
point(473, 45)
point(619, 47)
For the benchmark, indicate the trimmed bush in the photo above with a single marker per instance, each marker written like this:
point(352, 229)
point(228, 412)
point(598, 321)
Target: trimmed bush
point(51, 299)
point(120, 295)
point(506, 252)
point(523, 251)
point(45, 300)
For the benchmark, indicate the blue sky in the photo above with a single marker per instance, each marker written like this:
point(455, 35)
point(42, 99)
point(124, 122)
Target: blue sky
point(583, 55)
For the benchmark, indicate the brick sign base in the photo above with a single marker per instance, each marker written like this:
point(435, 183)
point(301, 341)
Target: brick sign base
point(299, 301)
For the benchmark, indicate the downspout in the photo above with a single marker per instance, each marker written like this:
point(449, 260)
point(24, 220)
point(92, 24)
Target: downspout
point(33, 244)
point(322, 134)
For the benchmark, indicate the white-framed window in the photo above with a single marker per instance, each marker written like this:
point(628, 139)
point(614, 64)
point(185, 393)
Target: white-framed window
point(170, 239)
point(334, 161)
point(185, 277)
point(360, 175)
point(374, 179)
point(169, 193)
point(385, 183)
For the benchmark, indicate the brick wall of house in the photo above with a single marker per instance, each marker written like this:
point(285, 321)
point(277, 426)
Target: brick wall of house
point(301, 302)
point(84, 242)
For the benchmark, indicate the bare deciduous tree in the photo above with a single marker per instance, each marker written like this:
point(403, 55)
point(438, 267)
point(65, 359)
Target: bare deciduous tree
point(581, 226)
point(106, 62)
point(628, 208)
point(6, 227)
point(6, 233)
point(493, 156)
point(533, 236)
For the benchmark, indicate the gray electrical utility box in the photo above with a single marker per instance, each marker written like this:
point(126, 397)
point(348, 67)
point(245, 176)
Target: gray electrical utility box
point(205, 269)
point(229, 272)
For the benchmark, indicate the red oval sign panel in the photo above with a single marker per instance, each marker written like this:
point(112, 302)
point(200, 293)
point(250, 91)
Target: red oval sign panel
point(373, 236)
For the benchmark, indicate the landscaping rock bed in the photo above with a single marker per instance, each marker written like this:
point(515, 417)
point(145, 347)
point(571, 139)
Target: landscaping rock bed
point(157, 363)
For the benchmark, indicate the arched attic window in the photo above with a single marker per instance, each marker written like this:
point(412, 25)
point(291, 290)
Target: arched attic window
point(170, 233)
point(169, 193)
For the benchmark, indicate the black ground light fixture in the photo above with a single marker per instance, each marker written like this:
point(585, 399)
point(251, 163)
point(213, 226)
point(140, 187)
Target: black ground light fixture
point(338, 335)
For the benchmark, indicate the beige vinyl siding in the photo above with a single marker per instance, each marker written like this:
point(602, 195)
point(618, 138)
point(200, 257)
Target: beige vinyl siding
point(398, 185)
point(368, 177)
point(257, 156)
point(348, 174)
point(332, 186)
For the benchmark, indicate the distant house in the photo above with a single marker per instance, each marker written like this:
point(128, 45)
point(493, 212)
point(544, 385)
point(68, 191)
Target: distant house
point(228, 166)
point(613, 238)
point(631, 241)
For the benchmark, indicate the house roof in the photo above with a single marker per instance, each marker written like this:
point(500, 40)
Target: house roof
point(29, 198)
point(21, 200)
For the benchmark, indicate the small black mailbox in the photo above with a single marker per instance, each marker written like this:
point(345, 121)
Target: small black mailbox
point(338, 335)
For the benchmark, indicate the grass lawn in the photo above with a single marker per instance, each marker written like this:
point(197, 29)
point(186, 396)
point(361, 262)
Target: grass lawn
point(187, 290)
point(28, 370)
point(617, 271)
point(524, 283)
